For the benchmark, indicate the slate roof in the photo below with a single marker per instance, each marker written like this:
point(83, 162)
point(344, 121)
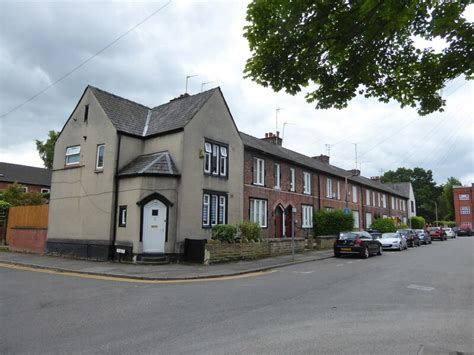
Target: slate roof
point(133, 118)
point(311, 163)
point(401, 187)
point(159, 163)
point(24, 174)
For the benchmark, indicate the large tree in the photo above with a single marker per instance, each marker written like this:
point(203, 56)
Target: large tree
point(365, 47)
point(424, 187)
point(46, 149)
point(446, 201)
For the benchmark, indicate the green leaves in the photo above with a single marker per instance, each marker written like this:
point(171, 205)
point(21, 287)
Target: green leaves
point(46, 149)
point(367, 46)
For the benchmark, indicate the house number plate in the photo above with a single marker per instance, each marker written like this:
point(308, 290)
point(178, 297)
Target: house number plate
point(154, 226)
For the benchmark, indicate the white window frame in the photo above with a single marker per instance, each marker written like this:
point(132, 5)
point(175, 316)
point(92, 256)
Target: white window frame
point(373, 198)
point(392, 200)
point(379, 201)
point(215, 157)
point(45, 191)
point(223, 161)
point(368, 219)
point(367, 197)
point(276, 176)
point(338, 190)
point(464, 210)
point(99, 148)
point(354, 194)
point(258, 171)
point(25, 188)
point(355, 214)
point(306, 183)
point(307, 216)
point(222, 210)
point(292, 179)
point(463, 197)
point(258, 212)
point(207, 157)
point(328, 187)
point(206, 209)
point(122, 216)
point(384, 201)
point(73, 151)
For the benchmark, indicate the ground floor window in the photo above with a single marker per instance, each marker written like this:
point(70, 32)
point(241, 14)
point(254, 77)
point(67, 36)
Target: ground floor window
point(214, 209)
point(258, 212)
point(368, 219)
point(307, 216)
point(122, 216)
point(355, 214)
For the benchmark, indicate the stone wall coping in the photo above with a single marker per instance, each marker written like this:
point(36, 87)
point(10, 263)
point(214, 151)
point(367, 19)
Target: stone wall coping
point(30, 228)
point(326, 237)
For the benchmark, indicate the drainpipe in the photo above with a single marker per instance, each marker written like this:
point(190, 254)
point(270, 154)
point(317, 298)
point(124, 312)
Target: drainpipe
point(116, 186)
point(319, 192)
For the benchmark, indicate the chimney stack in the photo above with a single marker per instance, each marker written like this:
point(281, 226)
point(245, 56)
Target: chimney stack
point(375, 178)
point(273, 138)
point(322, 158)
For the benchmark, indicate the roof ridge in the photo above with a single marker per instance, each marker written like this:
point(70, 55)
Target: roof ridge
point(185, 97)
point(118, 97)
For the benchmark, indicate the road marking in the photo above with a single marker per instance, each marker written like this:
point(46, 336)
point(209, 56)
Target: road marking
point(303, 272)
point(129, 280)
point(349, 262)
point(339, 264)
point(421, 288)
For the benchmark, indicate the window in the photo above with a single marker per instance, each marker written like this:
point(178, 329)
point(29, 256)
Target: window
point(373, 198)
point(207, 157)
point(384, 201)
point(338, 190)
point(215, 159)
point(393, 203)
point(99, 161)
point(73, 155)
point(307, 216)
point(292, 179)
point(214, 209)
point(258, 171)
point(45, 191)
point(258, 212)
point(404, 219)
point(465, 210)
point(307, 183)
point(25, 188)
point(412, 206)
point(378, 199)
point(354, 194)
point(355, 214)
point(384, 216)
point(368, 220)
point(276, 175)
point(328, 187)
point(86, 113)
point(464, 197)
point(122, 216)
point(367, 197)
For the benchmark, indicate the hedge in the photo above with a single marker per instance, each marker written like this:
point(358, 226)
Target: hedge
point(332, 222)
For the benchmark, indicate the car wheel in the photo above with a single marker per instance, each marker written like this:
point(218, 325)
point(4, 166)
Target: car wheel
point(366, 253)
point(380, 250)
point(337, 254)
point(400, 247)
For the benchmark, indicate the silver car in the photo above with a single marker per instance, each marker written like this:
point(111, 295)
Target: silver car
point(393, 241)
point(449, 233)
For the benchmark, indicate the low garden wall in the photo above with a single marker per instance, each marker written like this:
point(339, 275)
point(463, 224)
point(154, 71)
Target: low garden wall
point(216, 252)
point(28, 239)
point(322, 242)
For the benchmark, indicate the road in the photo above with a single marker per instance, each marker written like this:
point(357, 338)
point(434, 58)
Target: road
point(389, 304)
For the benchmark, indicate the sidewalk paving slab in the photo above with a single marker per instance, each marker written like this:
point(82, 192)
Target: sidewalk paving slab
point(175, 271)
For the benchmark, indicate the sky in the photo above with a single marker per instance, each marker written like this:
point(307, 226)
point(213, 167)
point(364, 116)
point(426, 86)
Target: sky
point(51, 45)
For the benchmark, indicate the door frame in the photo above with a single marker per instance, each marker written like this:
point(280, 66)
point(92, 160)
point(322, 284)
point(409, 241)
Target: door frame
point(144, 201)
point(283, 222)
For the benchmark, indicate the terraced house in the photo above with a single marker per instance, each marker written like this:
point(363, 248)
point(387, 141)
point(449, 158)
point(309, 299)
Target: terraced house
point(138, 180)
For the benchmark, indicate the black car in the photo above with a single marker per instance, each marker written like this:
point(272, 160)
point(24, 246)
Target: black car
point(374, 233)
point(357, 243)
point(413, 240)
point(464, 230)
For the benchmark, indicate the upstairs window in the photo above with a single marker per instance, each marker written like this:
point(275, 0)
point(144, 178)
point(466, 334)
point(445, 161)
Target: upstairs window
point(277, 176)
point(354, 194)
point(392, 202)
point(465, 210)
point(307, 183)
point(215, 159)
point(328, 187)
point(122, 216)
point(73, 155)
point(338, 190)
point(86, 113)
point(464, 197)
point(292, 179)
point(99, 161)
point(384, 201)
point(367, 197)
point(258, 171)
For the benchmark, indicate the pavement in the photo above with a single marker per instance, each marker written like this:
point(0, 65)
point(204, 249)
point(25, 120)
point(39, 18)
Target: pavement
point(176, 271)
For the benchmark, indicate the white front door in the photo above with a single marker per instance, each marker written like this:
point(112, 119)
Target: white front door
point(154, 227)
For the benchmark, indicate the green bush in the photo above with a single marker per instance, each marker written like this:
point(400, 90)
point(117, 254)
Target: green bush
point(384, 225)
point(250, 231)
point(403, 226)
point(332, 222)
point(417, 222)
point(445, 223)
point(224, 233)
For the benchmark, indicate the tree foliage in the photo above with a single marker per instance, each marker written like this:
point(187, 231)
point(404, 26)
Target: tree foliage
point(46, 149)
point(384, 225)
point(15, 196)
point(417, 222)
point(359, 47)
point(446, 201)
point(332, 222)
point(424, 187)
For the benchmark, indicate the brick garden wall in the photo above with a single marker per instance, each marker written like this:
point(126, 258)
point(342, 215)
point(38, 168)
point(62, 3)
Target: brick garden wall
point(222, 252)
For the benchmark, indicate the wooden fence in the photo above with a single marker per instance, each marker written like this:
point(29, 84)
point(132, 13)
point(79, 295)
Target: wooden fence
point(27, 226)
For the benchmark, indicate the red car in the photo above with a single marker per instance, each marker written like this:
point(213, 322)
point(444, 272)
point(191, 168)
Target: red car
point(437, 233)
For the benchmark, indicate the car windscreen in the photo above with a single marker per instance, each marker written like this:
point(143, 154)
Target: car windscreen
point(347, 235)
point(390, 235)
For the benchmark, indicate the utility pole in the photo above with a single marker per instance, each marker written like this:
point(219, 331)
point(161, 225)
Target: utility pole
point(436, 213)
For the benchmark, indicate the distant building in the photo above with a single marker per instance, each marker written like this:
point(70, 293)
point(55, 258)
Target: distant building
point(406, 189)
point(31, 178)
point(463, 205)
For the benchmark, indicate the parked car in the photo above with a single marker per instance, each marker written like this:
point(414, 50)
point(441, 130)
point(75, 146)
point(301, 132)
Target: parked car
point(424, 236)
point(464, 230)
point(374, 233)
point(393, 241)
point(413, 240)
point(449, 233)
point(357, 243)
point(437, 233)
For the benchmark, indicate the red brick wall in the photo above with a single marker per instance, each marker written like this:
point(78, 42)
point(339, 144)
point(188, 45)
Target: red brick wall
point(463, 218)
point(32, 240)
point(31, 188)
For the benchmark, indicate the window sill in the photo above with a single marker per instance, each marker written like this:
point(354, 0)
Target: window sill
point(98, 171)
point(67, 167)
point(255, 184)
